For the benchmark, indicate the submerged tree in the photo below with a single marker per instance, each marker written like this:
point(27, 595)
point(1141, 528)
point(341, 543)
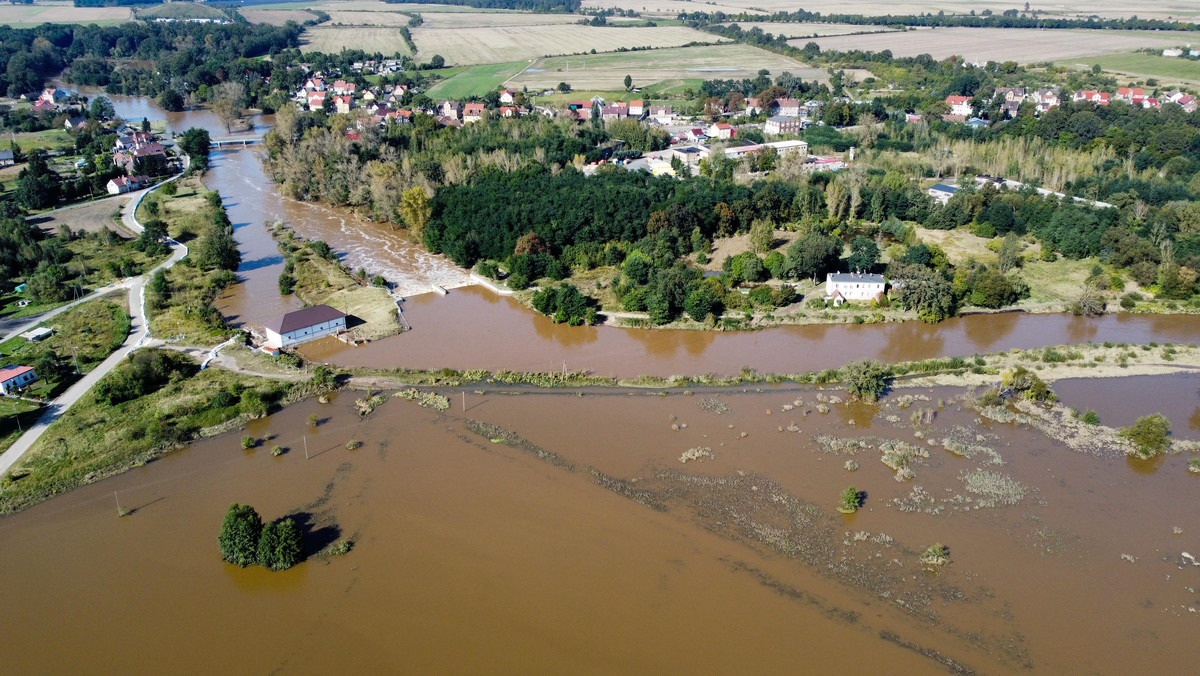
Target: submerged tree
point(281, 545)
point(240, 532)
point(866, 379)
point(1149, 435)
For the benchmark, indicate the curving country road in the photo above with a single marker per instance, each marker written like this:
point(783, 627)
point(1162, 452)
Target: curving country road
point(139, 331)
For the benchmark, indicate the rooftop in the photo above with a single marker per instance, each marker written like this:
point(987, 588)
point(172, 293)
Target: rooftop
point(300, 319)
point(856, 277)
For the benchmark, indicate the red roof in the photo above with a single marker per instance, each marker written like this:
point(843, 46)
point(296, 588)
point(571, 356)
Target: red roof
point(957, 100)
point(9, 372)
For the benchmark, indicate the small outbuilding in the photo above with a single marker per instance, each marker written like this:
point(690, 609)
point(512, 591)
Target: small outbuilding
point(12, 378)
point(304, 325)
point(40, 333)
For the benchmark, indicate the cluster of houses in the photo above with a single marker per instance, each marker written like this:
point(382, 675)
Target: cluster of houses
point(1044, 99)
point(381, 104)
point(943, 192)
point(133, 145)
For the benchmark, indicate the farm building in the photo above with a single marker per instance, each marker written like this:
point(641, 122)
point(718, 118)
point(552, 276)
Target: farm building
point(783, 125)
point(844, 286)
point(942, 192)
point(13, 378)
point(123, 184)
point(304, 325)
point(6, 158)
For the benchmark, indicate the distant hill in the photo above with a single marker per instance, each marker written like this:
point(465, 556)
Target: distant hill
point(180, 10)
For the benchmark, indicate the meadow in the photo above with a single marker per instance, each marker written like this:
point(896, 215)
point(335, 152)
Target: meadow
point(607, 71)
point(808, 30)
point(994, 44)
point(1147, 65)
point(276, 17)
point(24, 16)
point(1160, 9)
point(476, 80)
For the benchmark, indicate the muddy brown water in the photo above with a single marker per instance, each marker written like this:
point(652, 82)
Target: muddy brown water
point(474, 556)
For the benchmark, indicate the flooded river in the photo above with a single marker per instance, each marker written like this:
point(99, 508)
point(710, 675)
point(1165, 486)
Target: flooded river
point(608, 555)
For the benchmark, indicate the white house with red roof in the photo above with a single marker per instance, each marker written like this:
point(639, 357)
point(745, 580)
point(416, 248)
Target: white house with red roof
point(1130, 94)
point(124, 184)
point(314, 84)
point(316, 101)
point(506, 96)
point(721, 130)
point(342, 104)
point(1098, 98)
point(637, 108)
point(343, 88)
point(508, 111)
point(13, 378)
point(473, 112)
point(959, 105)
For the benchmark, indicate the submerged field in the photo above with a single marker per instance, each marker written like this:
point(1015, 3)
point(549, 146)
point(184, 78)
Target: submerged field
point(608, 71)
point(993, 44)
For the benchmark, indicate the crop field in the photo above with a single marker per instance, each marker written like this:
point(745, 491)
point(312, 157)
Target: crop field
point(512, 43)
point(180, 10)
point(61, 12)
point(1146, 65)
point(475, 80)
point(993, 44)
point(807, 30)
point(606, 72)
point(492, 19)
point(331, 40)
point(361, 18)
point(1159, 9)
point(369, 6)
point(276, 17)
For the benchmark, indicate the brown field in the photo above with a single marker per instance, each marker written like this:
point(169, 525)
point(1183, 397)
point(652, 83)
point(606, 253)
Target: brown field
point(466, 46)
point(805, 30)
point(606, 72)
point(332, 40)
point(993, 44)
point(491, 19)
point(92, 218)
point(60, 12)
point(276, 17)
point(1160, 9)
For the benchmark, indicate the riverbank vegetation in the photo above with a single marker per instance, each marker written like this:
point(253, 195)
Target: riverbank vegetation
point(179, 301)
point(312, 271)
point(154, 403)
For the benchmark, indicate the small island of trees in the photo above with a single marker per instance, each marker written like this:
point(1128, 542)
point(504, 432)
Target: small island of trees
point(245, 540)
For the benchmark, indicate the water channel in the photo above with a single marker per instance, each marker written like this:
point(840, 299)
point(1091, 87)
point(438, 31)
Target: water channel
point(604, 553)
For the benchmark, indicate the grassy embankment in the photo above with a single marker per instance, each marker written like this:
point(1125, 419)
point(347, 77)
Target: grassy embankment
point(85, 335)
point(186, 310)
point(96, 439)
point(320, 279)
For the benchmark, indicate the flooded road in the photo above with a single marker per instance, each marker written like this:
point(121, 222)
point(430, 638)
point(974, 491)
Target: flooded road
point(609, 555)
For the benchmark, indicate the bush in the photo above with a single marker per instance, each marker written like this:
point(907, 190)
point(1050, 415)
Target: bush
point(851, 501)
point(240, 531)
point(866, 379)
point(248, 442)
point(281, 545)
point(937, 554)
point(1148, 434)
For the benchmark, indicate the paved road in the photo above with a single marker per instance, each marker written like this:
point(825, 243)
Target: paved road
point(139, 332)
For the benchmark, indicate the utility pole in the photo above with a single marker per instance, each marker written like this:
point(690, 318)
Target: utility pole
point(464, 401)
point(306, 447)
point(76, 357)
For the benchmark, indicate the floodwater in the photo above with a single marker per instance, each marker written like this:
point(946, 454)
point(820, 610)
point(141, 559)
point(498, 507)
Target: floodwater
point(610, 556)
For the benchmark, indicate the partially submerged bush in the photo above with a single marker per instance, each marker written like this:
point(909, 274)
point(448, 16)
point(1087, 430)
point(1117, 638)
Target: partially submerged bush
point(866, 379)
point(936, 555)
point(1149, 435)
point(851, 500)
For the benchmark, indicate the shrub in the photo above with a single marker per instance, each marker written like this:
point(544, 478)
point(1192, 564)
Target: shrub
point(866, 379)
point(240, 531)
point(851, 501)
point(248, 442)
point(281, 545)
point(937, 554)
point(1091, 418)
point(1148, 434)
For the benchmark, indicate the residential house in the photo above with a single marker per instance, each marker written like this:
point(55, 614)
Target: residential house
point(341, 104)
point(913, 117)
point(450, 109)
point(614, 111)
point(637, 108)
point(941, 192)
point(1130, 94)
point(6, 158)
point(1046, 99)
point(753, 106)
point(960, 105)
point(813, 107)
point(976, 123)
point(316, 101)
point(74, 122)
point(13, 378)
point(507, 96)
point(128, 159)
point(1010, 94)
point(124, 184)
point(52, 95)
point(721, 130)
point(787, 107)
point(41, 106)
point(853, 286)
point(508, 111)
point(1188, 103)
point(696, 135)
point(446, 121)
point(662, 114)
point(473, 112)
point(1098, 98)
point(369, 96)
point(304, 325)
point(780, 124)
point(314, 84)
point(343, 88)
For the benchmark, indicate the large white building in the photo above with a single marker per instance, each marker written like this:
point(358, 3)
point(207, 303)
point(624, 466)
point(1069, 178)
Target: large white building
point(12, 378)
point(304, 325)
point(843, 286)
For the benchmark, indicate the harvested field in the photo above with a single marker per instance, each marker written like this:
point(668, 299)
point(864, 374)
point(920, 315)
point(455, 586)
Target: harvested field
point(369, 6)
point(492, 19)
point(607, 71)
point(61, 12)
point(276, 17)
point(464, 46)
point(992, 44)
point(333, 40)
point(1161, 9)
point(361, 18)
point(807, 30)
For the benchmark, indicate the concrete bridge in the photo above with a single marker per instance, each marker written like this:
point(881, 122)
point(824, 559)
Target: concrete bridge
point(235, 141)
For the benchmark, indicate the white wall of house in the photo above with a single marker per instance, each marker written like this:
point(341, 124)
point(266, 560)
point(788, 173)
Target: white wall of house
point(12, 384)
point(306, 333)
point(860, 287)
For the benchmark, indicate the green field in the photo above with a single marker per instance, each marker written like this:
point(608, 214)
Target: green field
point(180, 10)
point(1147, 65)
point(475, 80)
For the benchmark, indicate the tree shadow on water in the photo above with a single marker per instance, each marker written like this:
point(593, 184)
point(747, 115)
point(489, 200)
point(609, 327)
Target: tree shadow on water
point(317, 536)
